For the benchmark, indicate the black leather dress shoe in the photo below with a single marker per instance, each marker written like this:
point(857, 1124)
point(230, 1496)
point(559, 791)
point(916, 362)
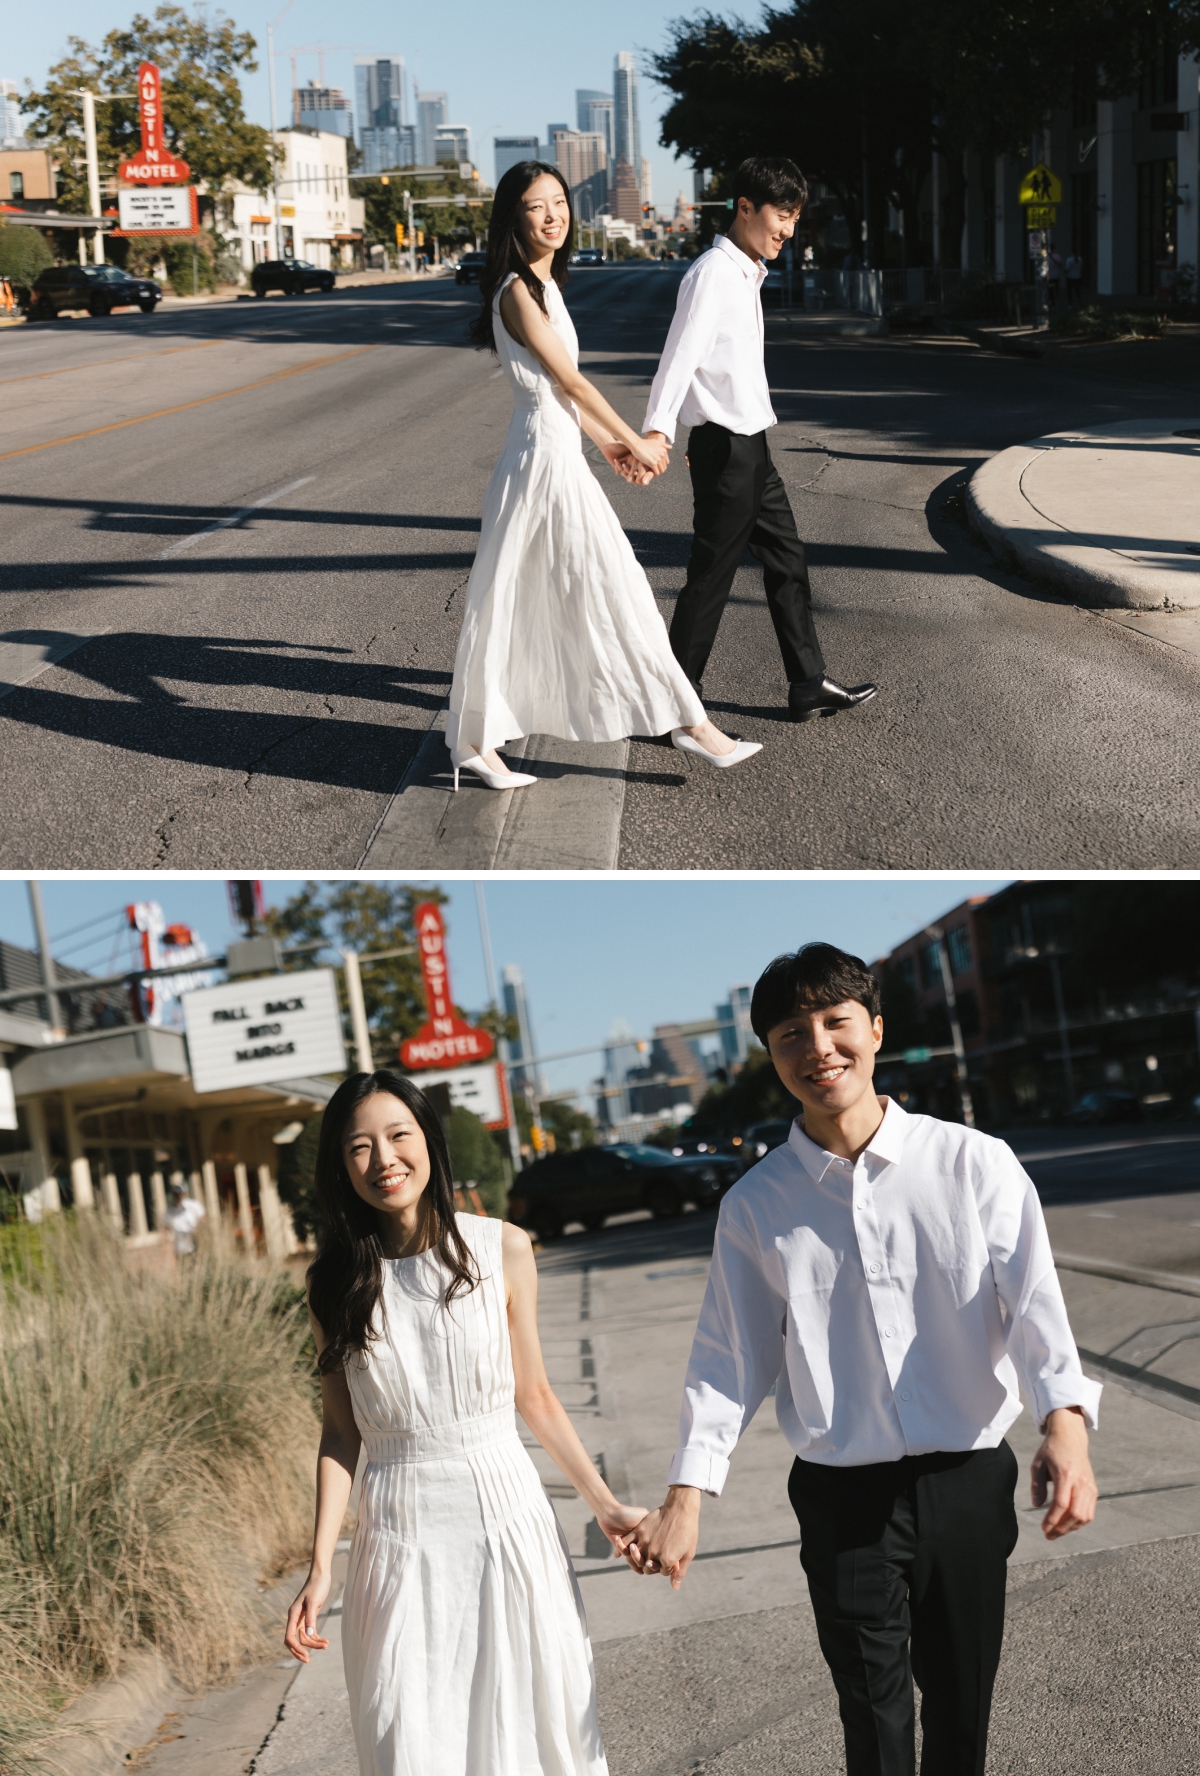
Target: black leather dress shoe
point(814, 697)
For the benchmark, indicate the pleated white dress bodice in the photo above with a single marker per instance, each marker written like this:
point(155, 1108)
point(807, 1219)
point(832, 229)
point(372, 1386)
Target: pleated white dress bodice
point(463, 1631)
point(560, 634)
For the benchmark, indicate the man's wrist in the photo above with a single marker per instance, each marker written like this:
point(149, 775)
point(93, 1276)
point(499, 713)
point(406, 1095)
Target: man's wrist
point(683, 1498)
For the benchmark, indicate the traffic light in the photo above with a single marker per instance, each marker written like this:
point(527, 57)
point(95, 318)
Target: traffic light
point(420, 233)
point(537, 1138)
point(399, 234)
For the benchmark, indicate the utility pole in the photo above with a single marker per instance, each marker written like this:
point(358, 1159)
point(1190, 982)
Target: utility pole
point(93, 166)
point(49, 974)
point(277, 230)
point(514, 1139)
point(956, 1035)
point(412, 239)
point(358, 1011)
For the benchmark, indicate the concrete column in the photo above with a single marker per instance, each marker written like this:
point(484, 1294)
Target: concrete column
point(138, 1228)
point(158, 1200)
point(245, 1212)
point(1187, 157)
point(211, 1199)
point(1116, 199)
point(972, 258)
point(111, 1192)
point(1010, 222)
point(45, 1183)
point(81, 1172)
point(270, 1208)
point(195, 1188)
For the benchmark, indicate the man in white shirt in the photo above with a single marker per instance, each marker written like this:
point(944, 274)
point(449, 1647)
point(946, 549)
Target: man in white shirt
point(184, 1215)
point(892, 1277)
point(712, 377)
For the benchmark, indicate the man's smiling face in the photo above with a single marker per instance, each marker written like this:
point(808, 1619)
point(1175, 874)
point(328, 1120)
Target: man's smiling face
point(826, 1058)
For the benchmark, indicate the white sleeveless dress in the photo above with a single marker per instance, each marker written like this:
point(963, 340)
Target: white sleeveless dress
point(465, 1642)
point(561, 634)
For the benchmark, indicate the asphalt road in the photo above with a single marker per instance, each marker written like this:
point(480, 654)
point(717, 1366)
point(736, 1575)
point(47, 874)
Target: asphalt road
point(252, 695)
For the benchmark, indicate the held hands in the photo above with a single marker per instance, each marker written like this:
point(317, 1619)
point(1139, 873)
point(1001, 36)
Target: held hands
point(665, 1540)
point(641, 464)
point(1062, 1462)
point(301, 1630)
point(618, 1523)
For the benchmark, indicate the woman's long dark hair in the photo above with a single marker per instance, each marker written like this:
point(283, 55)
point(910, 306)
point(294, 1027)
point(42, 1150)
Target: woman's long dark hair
point(506, 250)
point(345, 1280)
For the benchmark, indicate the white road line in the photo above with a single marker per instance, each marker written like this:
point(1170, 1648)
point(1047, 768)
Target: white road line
point(24, 653)
point(235, 518)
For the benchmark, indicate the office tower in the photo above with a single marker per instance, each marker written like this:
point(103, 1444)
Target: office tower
point(627, 129)
point(521, 1049)
point(620, 1058)
point(583, 161)
point(552, 130)
point(12, 130)
point(509, 150)
point(624, 198)
point(431, 115)
point(647, 182)
point(384, 134)
point(594, 114)
point(452, 141)
point(735, 1031)
point(322, 108)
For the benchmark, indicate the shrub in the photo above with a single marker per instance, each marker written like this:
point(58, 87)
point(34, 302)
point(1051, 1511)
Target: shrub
point(298, 1179)
point(1099, 323)
point(157, 1445)
point(475, 1159)
point(23, 253)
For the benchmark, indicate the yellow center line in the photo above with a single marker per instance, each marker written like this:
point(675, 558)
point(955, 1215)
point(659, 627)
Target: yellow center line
point(99, 363)
point(164, 412)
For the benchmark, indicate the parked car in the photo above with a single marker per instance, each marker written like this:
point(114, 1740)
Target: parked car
point(595, 1182)
point(587, 256)
point(1106, 1106)
point(97, 288)
point(762, 1138)
point(469, 268)
point(292, 276)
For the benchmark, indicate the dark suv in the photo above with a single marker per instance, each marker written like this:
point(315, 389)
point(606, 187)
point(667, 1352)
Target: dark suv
point(469, 268)
point(292, 276)
point(97, 288)
point(596, 1182)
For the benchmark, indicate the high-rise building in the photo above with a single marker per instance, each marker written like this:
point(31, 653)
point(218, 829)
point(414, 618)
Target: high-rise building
point(621, 1057)
point(583, 161)
point(734, 1019)
point(452, 141)
point(431, 115)
point(384, 134)
point(322, 108)
point(624, 198)
point(552, 130)
point(594, 115)
point(12, 130)
point(509, 150)
point(627, 128)
point(521, 1049)
point(647, 182)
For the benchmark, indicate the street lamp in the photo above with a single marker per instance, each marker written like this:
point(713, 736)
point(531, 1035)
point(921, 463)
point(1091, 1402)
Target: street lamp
point(93, 164)
point(274, 144)
point(956, 1035)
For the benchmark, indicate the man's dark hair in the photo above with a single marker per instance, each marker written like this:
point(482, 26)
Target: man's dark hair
point(773, 180)
point(810, 979)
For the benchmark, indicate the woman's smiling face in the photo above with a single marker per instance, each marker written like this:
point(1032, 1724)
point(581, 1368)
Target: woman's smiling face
point(385, 1154)
point(545, 216)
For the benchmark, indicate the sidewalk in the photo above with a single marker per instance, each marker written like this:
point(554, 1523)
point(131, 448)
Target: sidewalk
point(1109, 513)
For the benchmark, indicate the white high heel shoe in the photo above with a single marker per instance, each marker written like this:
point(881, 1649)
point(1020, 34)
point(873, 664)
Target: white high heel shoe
point(743, 750)
point(471, 761)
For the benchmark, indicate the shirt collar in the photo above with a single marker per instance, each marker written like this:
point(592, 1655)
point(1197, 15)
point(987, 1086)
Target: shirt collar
point(886, 1144)
point(749, 268)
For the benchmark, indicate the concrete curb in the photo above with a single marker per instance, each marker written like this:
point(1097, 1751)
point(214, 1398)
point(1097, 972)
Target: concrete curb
point(1001, 508)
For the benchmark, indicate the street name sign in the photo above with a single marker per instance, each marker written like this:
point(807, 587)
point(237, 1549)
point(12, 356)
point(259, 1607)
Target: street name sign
point(446, 1038)
point(483, 1090)
point(256, 1032)
point(171, 211)
point(1040, 186)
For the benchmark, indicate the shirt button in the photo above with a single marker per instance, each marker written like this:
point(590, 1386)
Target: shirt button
point(875, 1270)
point(906, 1396)
point(889, 1331)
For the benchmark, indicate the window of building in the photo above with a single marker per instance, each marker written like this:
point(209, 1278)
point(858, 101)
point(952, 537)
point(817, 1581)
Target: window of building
point(1160, 79)
point(961, 958)
point(1156, 228)
point(968, 1013)
point(931, 966)
point(16, 184)
point(908, 970)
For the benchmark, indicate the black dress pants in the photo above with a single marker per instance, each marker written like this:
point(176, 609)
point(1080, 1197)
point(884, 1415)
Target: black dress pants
point(739, 500)
point(910, 1554)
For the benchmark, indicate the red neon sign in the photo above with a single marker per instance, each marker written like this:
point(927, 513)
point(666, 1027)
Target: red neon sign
point(446, 1040)
point(153, 166)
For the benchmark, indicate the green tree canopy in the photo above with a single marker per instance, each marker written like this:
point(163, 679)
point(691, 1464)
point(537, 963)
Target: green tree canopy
point(23, 253)
point(200, 55)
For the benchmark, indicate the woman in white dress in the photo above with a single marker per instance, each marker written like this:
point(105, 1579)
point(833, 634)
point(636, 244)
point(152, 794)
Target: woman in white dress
point(561, 634)
point(464, 1638)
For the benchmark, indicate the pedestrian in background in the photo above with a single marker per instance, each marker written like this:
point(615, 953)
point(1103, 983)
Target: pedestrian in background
point(891, 1277)
point(1056, 277)
point(184, 1215)
point(1074, 279)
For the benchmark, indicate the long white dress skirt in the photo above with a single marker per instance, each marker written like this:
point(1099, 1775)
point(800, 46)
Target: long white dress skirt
point(561, 634)
point(463, 1631)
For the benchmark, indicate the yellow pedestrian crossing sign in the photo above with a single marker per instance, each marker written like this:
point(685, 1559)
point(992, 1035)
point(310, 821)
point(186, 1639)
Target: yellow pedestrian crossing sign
point(1040, 186)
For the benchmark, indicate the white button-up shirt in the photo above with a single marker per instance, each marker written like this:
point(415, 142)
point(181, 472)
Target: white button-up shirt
point(712, 365)
point(895, 1301)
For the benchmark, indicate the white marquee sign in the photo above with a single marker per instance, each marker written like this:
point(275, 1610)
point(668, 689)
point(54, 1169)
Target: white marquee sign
point(472, 1088)
point(255, 1032)
point(166, 211)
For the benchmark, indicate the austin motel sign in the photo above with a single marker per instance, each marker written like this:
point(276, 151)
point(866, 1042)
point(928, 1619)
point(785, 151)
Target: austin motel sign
point(446, 1040)
point(154, 165)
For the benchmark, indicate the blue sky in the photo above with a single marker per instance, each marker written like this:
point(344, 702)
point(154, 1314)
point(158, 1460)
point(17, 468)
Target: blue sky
point(648, 952)
point(506, 70)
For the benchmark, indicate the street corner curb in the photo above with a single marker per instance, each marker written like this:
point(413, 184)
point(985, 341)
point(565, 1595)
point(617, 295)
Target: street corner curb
point(990, 339)
point(1001, 512)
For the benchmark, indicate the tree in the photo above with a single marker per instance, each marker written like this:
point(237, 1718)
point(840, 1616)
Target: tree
point(298, 1181)
point(203, 118)
point(23, 253)
point(570, 1127)
point(385, 206)
point(756, 1095)
point(475, 1159)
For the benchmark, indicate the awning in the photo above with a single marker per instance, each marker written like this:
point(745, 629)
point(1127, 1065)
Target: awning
point(316, 235)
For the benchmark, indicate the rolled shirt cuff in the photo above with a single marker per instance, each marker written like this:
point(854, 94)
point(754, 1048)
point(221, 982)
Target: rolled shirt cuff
point(696, 1467)
point(1066, 1390)
point(657, 423)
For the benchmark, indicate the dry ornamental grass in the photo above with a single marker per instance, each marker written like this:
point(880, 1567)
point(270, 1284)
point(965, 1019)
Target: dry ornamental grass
point(157, 1447)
